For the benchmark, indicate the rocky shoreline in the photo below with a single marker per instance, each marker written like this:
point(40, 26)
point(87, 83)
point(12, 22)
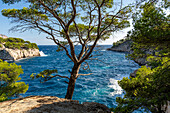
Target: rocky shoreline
point(126, 47)
point(50, 104)
point(16, 54)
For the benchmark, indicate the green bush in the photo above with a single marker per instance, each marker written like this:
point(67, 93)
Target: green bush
point(27, 42)
point(9, 77)
point(1, 40)
point(17, 43)
point(34, 45)
point(13, 45)
point(18, 40)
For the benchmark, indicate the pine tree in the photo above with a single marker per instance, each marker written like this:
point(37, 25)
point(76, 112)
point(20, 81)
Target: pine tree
point(9, 81)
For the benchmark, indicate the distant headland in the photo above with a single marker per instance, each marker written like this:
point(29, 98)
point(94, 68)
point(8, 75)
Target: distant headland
point(16, 48)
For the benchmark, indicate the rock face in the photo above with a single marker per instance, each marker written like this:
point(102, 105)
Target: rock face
point(3, 36)
point(50, 104)
point(124, 47)
point(15, 54)
point(140, 61)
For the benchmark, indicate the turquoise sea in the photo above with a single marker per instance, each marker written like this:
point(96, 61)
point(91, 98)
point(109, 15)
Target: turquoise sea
point(99, 87)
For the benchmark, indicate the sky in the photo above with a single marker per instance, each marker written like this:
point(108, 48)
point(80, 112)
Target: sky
point(40, 39)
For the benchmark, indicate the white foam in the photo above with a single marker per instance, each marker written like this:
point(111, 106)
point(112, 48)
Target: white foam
point(114, 85)
point(22, 59)
point(42, 53)
point(103, 50)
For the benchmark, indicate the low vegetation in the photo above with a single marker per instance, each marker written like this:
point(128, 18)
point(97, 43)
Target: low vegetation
point(17, 43)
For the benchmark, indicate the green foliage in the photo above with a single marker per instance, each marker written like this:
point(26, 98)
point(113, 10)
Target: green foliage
point(1, 40)
point(71, 22)
point(27, 42)
point(25, 13)
point(149, 90)
point(116, 44)
point(13, 45)
point(151, 31)
point(151, 25)
point(18, 43)
point(9, 77)
point(45, 75)
point(33, 45)
point(10, 39)
point(35, 14)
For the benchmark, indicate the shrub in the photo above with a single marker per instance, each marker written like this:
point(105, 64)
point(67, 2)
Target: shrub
point(27, 42)
point(18, 40)
point(1, 40)
point(17, 43)
point(34, 45)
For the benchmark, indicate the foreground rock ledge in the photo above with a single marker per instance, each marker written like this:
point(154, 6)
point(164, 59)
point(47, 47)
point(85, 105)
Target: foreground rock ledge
point(50, 104)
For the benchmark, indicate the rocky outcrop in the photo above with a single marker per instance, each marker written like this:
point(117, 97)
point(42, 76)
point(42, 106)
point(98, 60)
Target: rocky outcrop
point(141, 61)
point(3, 36)
point(133, 75)
point(50, 104)
point(124, 47)
point(15, 54)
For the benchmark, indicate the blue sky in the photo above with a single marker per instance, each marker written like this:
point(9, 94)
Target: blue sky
point(35, 37)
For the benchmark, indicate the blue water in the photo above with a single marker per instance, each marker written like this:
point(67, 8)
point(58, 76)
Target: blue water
point(100, 87)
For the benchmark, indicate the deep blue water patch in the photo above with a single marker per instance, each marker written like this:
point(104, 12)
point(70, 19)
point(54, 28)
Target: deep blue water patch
point(100, 87)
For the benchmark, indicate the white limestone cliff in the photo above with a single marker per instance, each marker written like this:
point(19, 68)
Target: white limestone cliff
point(16, 54)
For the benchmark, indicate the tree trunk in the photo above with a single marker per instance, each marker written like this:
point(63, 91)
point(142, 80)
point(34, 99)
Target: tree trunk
point(72, 81)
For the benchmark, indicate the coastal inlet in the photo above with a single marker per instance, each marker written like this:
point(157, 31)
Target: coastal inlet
point(99, 87)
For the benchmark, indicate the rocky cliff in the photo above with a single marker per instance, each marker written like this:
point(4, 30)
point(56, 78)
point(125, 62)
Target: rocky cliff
point(50, 104)
point(15, 54)
point(124, 47)
point(16, 48)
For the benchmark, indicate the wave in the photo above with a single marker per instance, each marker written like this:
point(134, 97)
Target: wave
point(114, 85)
point(42, 53)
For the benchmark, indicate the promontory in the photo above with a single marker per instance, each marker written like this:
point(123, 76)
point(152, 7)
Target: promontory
point(16, 48)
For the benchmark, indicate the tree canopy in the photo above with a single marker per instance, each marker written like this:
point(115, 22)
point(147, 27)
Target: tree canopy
point(151, 25)
point(71, 22)
point(17, 43)
point(149, 90)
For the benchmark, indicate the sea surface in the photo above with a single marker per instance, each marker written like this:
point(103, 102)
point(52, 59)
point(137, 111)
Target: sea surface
point(99, 87)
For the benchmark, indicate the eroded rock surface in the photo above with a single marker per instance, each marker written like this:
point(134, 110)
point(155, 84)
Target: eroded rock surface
point(126, 47)
point(15, 54)
point(50, 104)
